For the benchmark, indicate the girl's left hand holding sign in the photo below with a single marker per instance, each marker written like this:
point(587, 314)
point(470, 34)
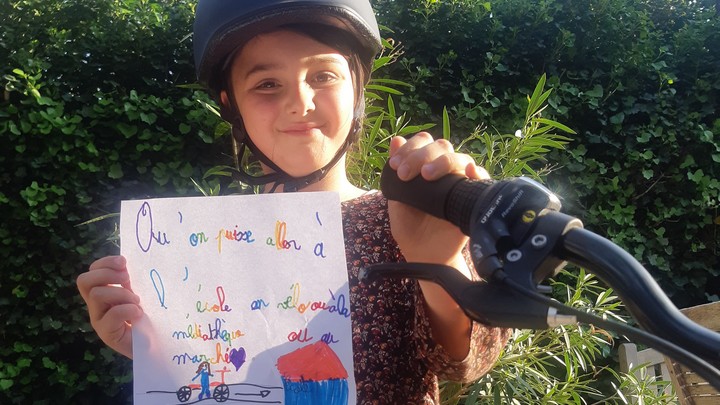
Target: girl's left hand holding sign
point(112, 305)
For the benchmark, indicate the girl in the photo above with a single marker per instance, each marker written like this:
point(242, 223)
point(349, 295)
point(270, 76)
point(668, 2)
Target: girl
point(289, 76)
point(204, 373)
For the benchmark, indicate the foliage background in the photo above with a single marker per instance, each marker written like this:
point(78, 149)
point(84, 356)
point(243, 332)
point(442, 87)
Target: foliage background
point(97, 107)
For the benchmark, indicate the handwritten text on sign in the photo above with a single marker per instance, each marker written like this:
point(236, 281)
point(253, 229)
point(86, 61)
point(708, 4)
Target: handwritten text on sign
point(229, 285)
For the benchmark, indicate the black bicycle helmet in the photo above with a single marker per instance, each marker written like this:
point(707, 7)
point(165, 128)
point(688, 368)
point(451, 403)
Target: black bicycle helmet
point(221, 26)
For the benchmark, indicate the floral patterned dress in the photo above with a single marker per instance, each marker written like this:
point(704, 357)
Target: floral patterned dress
point(396, 359)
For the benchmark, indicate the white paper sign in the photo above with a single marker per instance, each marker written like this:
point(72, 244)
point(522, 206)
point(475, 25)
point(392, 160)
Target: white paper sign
point(245, 299)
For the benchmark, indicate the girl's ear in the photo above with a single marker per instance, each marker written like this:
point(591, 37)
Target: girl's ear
point(226, 109)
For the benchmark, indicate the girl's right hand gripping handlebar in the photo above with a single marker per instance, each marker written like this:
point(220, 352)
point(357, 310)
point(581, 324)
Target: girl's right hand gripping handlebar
point(518, 239)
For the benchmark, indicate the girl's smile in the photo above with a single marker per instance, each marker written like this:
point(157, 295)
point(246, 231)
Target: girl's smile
point(300, 129)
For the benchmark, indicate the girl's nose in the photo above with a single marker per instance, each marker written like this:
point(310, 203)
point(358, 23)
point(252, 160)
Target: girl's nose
point(300, 99)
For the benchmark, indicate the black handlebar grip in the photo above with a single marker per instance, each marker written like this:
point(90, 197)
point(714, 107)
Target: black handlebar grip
point(452, 197)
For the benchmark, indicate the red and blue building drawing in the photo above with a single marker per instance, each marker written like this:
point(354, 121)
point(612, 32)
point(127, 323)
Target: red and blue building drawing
point(313, 374)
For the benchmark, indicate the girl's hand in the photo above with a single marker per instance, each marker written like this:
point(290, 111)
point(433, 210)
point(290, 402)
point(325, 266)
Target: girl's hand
point(427, 239)
point(112, 305)
point(422, 237)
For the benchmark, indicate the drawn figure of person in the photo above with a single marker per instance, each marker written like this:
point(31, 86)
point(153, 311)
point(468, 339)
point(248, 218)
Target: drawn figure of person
point(204, 373)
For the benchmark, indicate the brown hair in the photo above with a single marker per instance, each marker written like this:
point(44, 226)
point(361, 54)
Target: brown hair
point(200, 367)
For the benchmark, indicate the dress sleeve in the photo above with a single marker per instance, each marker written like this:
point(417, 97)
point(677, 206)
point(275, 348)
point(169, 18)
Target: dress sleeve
point(486, 344)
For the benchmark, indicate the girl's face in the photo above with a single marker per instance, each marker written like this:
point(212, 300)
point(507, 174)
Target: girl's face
point(296, 98)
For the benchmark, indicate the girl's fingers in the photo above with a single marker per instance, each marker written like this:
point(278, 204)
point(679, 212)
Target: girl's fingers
point(114, 328)
point(457, 163)
point(117, 318)
point(110, 262)
point(409, 158)
point(400, 147)
point(101, 299)
point(422, 155)
point(98, 277)
point(477, 172)
point(395, 144)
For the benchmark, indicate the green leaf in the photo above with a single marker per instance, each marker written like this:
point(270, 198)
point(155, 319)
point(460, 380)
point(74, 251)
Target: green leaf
point(556, 124)
point(446, 124)
point(689, 161)
point(696, 176)
point(466, 96)
point(186, 170)
point(148, 118)
point(659, 65)
point(20, 291)
point(391, 107)
point(381, 61)
point(534, 101)
point(45, 100)
point(5, 384)
point(100, 218)
point(225, 171)
point(20, 347)
point(47, 363)
point(617, 118)
point(596, 92)
point(413, 129)
point(644, 137)
point(125, 129)
point(210, 107)
point(221, 129)
point(390, 81)
point(383, 89)
point(115, 171)
point(540, 141)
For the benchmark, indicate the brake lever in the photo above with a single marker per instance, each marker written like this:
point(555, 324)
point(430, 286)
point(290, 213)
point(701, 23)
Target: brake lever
point(492, 302)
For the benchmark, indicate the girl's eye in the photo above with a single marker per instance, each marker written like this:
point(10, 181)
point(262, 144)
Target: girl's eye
point(266, 85)
point(325, 77)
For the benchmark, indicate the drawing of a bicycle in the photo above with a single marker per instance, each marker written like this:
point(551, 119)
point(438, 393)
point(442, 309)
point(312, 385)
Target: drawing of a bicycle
point(220, 392)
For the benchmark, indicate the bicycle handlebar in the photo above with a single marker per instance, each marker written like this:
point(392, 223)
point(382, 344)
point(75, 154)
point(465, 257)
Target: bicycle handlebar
point(642, 296)
point(518, 238)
